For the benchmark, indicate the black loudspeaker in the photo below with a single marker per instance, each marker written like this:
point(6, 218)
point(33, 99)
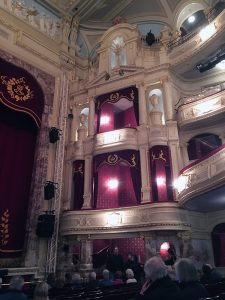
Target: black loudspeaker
point(3, 272)
point(54, 135)
point(45, 225)
point(49, 190)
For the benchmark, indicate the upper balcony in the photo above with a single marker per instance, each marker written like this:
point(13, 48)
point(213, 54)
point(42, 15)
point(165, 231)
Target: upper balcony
point(201, 184)
point(198, 110)
point(128, 219)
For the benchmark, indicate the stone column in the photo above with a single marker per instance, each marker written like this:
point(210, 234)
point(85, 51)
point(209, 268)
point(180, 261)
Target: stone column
point(143, 115)
point(86, 256)
point(168, 99)
point(91, 118)
point(87, 182)
point(145, 177)
point(150, 245)
point(184, 153)
point(185, 239)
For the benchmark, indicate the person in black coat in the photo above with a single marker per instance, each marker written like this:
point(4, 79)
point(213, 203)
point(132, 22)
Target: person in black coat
point(15, 290)
point(115, 262)
point(187, 277)
point(158, 285)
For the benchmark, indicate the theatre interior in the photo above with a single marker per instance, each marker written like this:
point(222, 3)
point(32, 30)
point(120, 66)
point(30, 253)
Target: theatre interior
point(107, 139)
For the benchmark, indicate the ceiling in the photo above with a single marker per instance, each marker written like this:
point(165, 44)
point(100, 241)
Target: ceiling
point(97, 13)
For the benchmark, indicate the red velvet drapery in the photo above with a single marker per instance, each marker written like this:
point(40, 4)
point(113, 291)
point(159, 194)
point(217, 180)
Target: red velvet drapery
point(17, 145)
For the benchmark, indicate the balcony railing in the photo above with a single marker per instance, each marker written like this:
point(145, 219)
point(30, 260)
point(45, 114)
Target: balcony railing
point(200, 108)
point(202, 175)
point(210, 16)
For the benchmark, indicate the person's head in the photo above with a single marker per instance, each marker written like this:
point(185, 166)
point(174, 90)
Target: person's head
point(207, 269)
point(186, 271)
point(116, 251)
point(118, 275)
point(16, 283)
point(105, 274)
point(41, 291)
point(130, 256)
point(76, 278)
point(155, 268)
point(92, 276)
point(129, 273)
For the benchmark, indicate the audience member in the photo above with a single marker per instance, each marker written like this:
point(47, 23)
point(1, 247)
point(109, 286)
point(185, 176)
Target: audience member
point(106, 281)
point(51, 280)
point(76, 281)
point(158, 285)
point(92, 283)
point(115, 261)
point(1, 289)
point(15, 290)
point(210, 274)
point(183, 31)
point(187, 277)
point(68, 280)
point(118, 278)
point(133, 264)
point(41, 291)
point(130, 276)
point(150, 38)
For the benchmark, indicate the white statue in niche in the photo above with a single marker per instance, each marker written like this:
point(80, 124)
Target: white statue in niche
point(82, 130)
point(155, 113)
point(118, 52)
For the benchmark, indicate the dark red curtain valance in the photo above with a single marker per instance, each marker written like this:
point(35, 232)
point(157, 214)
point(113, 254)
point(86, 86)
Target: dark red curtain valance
point(78, 177)
point(20, 91)
point(130, 157)
point(129, 93)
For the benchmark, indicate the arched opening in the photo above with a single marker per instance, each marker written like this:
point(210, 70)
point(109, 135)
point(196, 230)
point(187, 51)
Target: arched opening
point(218, 243)
point(202, 144)
point(21, 108)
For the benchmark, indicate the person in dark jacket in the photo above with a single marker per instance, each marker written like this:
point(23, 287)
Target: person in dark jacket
point(187, 277)
point(158, 285)
point(115, 261)
point(210, 274)
point(15, 290)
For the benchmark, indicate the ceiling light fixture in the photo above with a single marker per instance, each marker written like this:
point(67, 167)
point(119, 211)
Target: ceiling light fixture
point(191, 19)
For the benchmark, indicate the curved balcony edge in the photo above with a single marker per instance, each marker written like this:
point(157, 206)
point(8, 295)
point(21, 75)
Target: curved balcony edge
point(132, 219)
point(197, 113)
point(201, 176)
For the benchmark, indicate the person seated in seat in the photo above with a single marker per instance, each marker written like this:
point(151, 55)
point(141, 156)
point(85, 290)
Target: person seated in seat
point(130, 276)
point(15, 290)
point(41, 291)
point(76, 281)
point(106, 281)
point(158, 285)
point(118, 278)
point(187, 277)
point(92, 283)
point(150, 38)
point(210, 274)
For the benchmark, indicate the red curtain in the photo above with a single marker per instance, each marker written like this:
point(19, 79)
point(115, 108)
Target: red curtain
point(78, 177)
point(161, 173)
point(123, 195)
point(18, 134)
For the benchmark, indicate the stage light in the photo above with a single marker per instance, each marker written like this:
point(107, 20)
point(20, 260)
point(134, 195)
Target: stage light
point(221, 65)
point(164, 246)
point(113, 184)
point(54, 134)
point(104, 120)
point(114, 219)
point(207, 32)
point(191, 19)
point(168, 253)
point(160, 181)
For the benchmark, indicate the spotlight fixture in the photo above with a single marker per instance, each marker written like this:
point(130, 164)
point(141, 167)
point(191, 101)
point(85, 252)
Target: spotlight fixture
point(54, 135)
point(107, 76)
point(49, 190)
point(191, 19)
